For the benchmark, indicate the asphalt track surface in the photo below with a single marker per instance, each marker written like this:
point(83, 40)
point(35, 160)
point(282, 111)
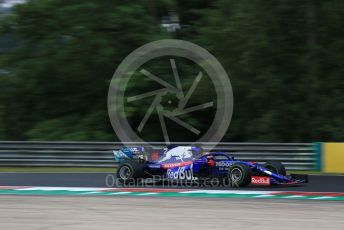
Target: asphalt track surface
point(39, 212)
point(316, 183)
point(88, 213)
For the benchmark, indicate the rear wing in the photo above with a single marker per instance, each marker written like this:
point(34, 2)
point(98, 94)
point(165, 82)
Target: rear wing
point(134, 153)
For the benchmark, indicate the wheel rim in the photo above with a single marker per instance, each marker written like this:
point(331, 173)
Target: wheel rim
point(124, 172)
point(236, 174)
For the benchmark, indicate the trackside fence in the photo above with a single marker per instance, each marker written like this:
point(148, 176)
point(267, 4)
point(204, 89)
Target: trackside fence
point(296, 156)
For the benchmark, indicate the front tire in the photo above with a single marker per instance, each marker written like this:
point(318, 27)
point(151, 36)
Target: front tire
point(239, 174)
point(275, 167)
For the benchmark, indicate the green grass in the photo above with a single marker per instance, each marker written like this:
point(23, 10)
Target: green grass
point(303, 172)
point(314, 173)
point(111, 170)
point(56, 169)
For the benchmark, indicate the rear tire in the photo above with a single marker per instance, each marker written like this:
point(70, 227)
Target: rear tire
point(275, 167)
point(129, 172)
point(239, 175)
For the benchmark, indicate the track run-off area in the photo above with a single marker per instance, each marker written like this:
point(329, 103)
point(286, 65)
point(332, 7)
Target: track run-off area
point(156, 213)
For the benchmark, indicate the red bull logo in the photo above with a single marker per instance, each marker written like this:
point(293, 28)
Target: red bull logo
point(182, 173)
point(260, 180)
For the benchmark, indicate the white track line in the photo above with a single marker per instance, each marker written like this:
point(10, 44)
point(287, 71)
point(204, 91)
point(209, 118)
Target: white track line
point(322, 197)
point(293, 196)
point(119, 193)
point(147, 194)
point(263, 196)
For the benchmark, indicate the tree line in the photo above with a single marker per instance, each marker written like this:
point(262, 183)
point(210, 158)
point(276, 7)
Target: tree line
point(285, 60)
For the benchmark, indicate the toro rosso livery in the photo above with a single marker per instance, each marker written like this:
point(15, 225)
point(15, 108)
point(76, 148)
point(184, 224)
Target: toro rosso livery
point(188, 163)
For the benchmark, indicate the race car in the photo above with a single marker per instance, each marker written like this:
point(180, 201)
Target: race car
point(191, 163)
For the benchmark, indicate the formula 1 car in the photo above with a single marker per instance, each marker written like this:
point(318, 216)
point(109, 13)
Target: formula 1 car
point(189, 163)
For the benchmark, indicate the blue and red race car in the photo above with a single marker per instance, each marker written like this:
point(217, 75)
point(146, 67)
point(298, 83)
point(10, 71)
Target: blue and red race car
point(189, 163)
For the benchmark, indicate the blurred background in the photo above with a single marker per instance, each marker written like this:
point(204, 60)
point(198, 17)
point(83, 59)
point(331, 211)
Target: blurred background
point(285, 59)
